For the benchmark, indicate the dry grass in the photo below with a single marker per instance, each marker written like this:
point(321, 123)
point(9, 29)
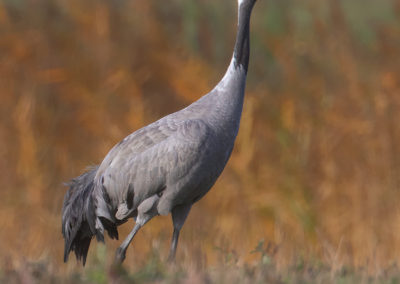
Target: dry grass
point(316, 166)
point(155, 270)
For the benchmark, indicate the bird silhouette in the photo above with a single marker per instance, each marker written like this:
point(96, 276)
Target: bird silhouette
point(164, 167)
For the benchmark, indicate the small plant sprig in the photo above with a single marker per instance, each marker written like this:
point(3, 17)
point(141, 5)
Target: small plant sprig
point(266, 252)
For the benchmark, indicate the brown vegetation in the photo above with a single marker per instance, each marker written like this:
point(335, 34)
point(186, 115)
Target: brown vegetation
point(316, 167)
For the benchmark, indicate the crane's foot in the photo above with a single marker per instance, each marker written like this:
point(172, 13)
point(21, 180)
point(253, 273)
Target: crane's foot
point(171, 258)
point(119, 256)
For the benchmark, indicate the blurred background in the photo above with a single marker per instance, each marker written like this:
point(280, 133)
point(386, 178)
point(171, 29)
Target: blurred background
point(316, 167)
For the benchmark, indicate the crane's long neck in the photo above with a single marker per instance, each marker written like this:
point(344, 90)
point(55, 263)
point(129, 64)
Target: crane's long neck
point(242, 45)
point(237, 69)
point(228, 95)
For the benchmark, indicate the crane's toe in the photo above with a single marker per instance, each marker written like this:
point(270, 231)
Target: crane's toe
point(171, 258)
point(119, 255)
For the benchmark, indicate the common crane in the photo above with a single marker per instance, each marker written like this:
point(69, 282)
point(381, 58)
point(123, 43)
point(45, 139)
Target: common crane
point(164, 167)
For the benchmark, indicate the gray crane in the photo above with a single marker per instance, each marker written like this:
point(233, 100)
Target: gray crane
point(162, 168)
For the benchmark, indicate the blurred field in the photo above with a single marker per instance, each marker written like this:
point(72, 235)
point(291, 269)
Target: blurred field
point(316, 167)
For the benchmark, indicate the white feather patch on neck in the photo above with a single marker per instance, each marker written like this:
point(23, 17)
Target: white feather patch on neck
point(231, 72)
point(240, 2)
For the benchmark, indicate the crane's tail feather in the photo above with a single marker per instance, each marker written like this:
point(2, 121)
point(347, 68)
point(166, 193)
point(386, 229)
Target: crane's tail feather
point(78, 217)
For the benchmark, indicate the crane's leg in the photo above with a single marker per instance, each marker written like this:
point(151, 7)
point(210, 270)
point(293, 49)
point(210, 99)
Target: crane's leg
point(179, 214)
point(121, 251)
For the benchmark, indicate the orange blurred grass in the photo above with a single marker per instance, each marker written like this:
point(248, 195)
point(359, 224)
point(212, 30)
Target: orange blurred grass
point(315, 169)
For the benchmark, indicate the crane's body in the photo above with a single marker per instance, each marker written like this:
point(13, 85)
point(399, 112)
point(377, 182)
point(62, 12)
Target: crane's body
point(180, 155)
point(161, 168)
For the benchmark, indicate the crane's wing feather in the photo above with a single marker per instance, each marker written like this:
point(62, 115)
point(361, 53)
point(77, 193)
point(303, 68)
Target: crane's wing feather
point(149, 159)
point(138, 142)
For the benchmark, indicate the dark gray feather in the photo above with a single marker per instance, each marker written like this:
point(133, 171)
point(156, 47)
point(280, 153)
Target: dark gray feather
point(77, 212)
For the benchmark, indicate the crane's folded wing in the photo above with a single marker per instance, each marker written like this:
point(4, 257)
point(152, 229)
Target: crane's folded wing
point(150, 160)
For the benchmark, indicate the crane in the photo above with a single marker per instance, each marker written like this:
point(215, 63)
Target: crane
point(164, 167)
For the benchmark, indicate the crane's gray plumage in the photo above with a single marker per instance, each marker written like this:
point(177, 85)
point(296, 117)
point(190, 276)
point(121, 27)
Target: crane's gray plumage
point(161, 168)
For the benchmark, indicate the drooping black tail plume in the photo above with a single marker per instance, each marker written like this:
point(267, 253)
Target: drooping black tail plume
point(78, 216)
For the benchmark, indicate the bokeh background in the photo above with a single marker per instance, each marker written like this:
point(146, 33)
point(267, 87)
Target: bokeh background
point(316, 167)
